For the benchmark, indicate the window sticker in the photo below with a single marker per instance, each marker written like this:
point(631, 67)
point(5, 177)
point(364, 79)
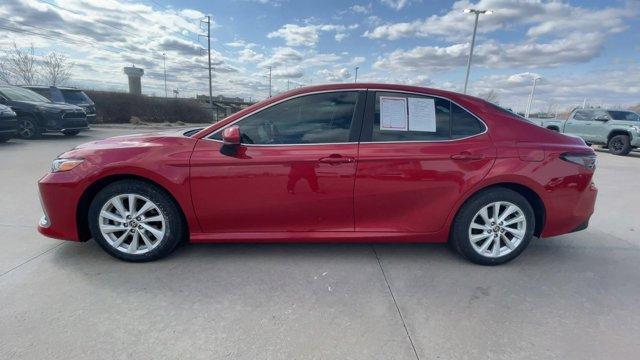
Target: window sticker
point(393, 113)
point(422, 115)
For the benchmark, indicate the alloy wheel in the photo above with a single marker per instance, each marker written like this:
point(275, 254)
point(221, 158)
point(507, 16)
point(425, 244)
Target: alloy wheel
point(26, 129)
point(497, 229)
point(132, 224)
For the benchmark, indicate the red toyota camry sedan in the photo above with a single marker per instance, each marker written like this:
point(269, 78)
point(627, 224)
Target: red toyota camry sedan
point(349, 163)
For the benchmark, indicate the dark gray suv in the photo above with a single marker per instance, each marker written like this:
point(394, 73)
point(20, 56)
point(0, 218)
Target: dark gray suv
point(36, 114)
point(68, 95)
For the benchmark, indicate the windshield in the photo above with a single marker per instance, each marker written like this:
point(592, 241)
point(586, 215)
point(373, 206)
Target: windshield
point(75, 97)
point(20, 94)
point(624, 115)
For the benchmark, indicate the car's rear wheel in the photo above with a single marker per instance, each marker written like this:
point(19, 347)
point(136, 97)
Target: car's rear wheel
point(71, 132)
point(28, 128)
point(135, 221)
point(620, 145)
point(493, 227)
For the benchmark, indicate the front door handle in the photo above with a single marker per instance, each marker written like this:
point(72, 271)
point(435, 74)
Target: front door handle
point(466, 155)
point(335, 159)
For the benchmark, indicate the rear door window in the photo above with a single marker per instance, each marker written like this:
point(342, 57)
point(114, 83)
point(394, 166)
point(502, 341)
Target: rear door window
point(447, 120)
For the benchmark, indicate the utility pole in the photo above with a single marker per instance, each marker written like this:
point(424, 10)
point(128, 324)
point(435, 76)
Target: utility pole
point(356, 77)
point(584, 103)
point(533, 88)
point(208, 36)
point(269, 81)
point(473, 41)
point(164, 65)
point(288, 84)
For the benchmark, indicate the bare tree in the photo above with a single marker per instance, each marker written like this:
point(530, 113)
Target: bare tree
point(490, 96)
point(56, 69)
point(18, 66)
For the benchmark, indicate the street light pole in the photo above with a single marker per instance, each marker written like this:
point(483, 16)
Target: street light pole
point(164, 66)
point(473, 41)
point(533, 88)
point(356, 78)
point(269, 81)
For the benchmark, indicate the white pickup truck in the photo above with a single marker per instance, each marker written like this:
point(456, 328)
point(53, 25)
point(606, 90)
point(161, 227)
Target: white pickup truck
point(617, 130)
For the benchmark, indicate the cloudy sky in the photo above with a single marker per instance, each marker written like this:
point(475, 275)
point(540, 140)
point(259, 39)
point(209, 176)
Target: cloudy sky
point(580, 49)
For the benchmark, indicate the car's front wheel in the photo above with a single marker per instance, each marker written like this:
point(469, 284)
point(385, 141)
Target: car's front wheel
point(136, 221)
point(493, 227)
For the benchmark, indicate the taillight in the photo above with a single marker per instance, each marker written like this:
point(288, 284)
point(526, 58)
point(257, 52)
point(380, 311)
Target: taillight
point(586, 160)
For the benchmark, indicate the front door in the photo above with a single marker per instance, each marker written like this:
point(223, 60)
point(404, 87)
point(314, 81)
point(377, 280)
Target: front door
point(410, 174)
point(294, 171)
point(579, 123)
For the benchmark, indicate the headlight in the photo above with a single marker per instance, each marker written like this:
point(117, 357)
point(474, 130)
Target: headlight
point(60, 165)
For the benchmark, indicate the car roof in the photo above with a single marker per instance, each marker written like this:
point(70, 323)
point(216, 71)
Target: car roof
point(49, 87)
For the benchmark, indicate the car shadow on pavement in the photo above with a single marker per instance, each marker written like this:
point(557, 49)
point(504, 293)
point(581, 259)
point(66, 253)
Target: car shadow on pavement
point(633, 153)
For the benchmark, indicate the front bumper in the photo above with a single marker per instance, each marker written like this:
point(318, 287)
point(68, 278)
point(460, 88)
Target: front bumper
point(59, 123)
point(59, 195)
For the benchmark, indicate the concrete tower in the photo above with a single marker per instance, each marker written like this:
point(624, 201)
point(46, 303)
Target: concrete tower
point(134, 74)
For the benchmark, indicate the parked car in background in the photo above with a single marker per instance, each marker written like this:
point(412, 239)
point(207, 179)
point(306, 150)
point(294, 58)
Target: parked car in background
point(8, 123)
point(68, 95)
point(37, 115)
point(617, 130)
point(343, 162)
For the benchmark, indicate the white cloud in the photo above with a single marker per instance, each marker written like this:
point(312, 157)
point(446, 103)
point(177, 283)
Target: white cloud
point(335, 75)
point(361, 9)
point(248, 55)
point(543, 17)
point(294, 72)
point(396, 4)
point(308, 35)
point(572, 49)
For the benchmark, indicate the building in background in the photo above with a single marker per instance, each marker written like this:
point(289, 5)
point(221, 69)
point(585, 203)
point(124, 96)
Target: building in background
point(224, 106)
point(135, 75)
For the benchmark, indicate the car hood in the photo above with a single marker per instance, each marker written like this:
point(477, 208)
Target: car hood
point(165, 138)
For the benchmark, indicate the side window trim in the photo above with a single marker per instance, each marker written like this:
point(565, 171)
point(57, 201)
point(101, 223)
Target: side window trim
point(369, 117)
point(355, 130)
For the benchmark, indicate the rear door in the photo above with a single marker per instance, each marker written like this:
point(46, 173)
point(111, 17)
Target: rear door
point(409, 176)
point(294, 171)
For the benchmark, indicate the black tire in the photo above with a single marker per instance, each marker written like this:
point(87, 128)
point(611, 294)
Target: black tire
point(28, 128)
point(460, 239)
point(620, 145)
point(175, 231)
point(71, 132)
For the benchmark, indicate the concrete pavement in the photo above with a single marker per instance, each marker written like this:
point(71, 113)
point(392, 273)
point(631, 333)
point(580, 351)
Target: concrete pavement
point(570, 297)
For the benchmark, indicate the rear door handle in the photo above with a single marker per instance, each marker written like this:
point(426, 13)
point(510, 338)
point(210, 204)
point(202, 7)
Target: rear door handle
point(335, 159)
point(465, 155)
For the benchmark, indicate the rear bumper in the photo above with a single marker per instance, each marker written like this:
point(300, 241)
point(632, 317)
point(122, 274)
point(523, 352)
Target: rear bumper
point(570, 213)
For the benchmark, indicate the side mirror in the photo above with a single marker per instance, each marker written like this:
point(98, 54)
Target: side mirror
point(602, 118)
point(231, 135)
